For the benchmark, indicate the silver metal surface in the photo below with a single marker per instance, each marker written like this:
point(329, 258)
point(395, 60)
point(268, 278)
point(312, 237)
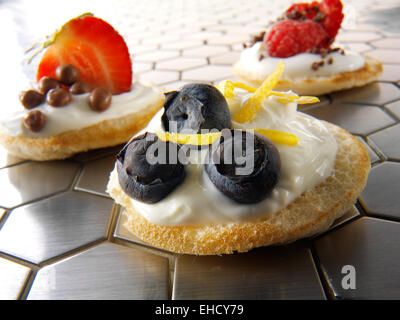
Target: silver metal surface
point(95, 175)
point(34, 180)
point(264, 273)
point(371, 247)
point(375, 93)
point(51, 227)
point(59, 221)
point(107, 271)
point(12, 279)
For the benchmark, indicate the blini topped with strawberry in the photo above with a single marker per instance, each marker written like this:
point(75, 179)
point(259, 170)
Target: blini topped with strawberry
point(84, 96)
point(304, 38)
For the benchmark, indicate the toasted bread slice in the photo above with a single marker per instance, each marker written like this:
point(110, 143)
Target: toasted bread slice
point(318, 85)
point(103, 134)
point(310, 214)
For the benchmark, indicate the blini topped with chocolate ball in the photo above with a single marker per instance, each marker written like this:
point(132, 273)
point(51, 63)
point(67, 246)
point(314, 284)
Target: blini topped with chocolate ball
point(304, 38)
point(225, 170)
point(84, 96)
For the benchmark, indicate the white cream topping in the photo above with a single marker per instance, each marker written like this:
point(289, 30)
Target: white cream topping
point(77, 114)
point(299, 66)
point(198, 201)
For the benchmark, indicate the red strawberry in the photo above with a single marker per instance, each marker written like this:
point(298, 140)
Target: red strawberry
point(327, 12)
point(95, 49)
point(334, 16)
point(290, 37)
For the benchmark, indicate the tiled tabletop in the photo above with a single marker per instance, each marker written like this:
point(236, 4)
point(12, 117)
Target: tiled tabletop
point(62, 237)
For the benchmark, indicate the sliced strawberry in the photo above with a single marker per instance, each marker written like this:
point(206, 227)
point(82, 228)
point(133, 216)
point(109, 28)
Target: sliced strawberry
point(95, 49)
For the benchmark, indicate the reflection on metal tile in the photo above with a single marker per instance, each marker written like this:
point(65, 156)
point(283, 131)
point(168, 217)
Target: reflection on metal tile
point(7, 160)
point(51, 227)
point(357, 36)
point(369, 249)
point(358, 119)
point(381, 194)
point(107, 271)
point(391, 72)
point(264, 273)
point(388, 141)
point(208, 73)
point(395, 108)
point(95, 174)
point(372, 155)
point(385, 55)
point(387, 43)
point(351, 214)
point(374, 93)
point(12, 279)
point(33, 180)
point(97, 154)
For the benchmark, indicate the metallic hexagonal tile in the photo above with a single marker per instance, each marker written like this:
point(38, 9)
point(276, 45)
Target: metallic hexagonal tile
point(35, 180)
point(358, 47)
point(159, 77)
point(394, 107)
point(7, 160)
point(226, 58)
point(357, 36)
point(389, 43)
point(372, 154)
point(157, 55)
point(348, 216)
point(388, 141)
point(54, 226)
point(374, 94)
point(97, 153)
point(381, 194)
point(12, 278)
point(124, 273)
point(358, 119)
point(95, 174)
point(357, 259)
point(208, 73)
point(385, 55)
point(270, 273)
point(205, 51)
point(391, 72)
point(181, 63)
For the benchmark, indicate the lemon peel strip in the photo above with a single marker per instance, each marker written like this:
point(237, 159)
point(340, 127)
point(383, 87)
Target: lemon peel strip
point(280, 137)
point(254, 103)
point(275, 136)
point(192, 139)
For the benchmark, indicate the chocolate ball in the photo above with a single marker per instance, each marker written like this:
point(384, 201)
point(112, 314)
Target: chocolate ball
point(47, 83)
point(35, 120)
point(67, 74)
point(100, 99)
point(79, 88)
point(58, 97)
point(31, 99)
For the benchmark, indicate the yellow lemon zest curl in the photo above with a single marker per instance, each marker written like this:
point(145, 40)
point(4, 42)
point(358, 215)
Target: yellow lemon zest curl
point(254, 103)
point(275, 136)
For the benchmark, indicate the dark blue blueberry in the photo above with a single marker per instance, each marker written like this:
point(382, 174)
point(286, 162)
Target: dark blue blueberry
point(149, 169)
point(195, 107)
point(244, 166)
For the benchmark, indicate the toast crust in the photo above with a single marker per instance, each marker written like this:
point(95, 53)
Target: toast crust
point(310, 214)
point(318, 85)
point(103, 134)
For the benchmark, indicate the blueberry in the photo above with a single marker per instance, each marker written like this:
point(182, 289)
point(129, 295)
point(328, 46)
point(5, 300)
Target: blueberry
point(149, 169)
point(243, 166)
point(195, 107)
